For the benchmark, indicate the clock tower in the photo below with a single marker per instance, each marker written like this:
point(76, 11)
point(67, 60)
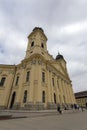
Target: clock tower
point(36, 42)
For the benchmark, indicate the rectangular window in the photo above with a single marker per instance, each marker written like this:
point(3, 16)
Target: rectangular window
point(2, 81)
point(17, 79)
point(28, 76)
point(43, 77)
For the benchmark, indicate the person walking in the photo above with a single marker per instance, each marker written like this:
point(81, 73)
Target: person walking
point(59, 109)
point(82, 108)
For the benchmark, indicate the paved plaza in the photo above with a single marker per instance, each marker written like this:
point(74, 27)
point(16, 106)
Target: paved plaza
point(45, 120)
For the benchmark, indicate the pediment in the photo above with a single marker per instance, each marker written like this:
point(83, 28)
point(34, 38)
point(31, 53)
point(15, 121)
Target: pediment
point(62, 69)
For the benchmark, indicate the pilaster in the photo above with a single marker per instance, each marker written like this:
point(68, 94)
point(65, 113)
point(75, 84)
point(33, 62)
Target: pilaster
point(19, 89)
point(66, 93)
point(51, 85)
point(61, 91)
point(31, 87)
point(57, 90)
point(48, 88)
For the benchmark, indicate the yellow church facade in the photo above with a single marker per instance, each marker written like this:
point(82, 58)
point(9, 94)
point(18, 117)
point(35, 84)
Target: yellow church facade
point(39, 81)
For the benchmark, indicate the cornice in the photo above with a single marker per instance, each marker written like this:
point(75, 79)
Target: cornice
point(33, 32)
point(7, 66)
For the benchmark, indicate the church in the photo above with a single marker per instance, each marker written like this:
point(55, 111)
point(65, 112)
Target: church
point(39, 81)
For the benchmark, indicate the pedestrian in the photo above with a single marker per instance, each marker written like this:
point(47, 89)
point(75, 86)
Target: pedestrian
point(59, 109)
point(86, 105)
point(82, 108)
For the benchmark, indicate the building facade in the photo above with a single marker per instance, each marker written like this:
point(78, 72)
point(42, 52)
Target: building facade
point(39, 81)
point(81, 98)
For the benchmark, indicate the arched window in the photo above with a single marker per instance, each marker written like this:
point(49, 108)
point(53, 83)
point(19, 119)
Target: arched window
point(42, 45)
point(54, 98)
point(32, 44)
point(25, 96)
point(43, 96)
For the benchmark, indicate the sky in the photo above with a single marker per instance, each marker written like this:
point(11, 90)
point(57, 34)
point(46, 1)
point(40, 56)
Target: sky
point(65, 24)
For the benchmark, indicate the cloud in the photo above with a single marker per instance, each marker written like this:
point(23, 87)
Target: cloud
point(64, 22)
point(11, 42)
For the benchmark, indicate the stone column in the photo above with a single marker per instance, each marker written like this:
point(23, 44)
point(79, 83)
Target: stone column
point(57, 90)
point(70, 95)
point(61, 91)
point(39, 89)
point(63, 94)
point(52, 96)
point(39, 104)
point(31, 87)
point(48, 88)
point(66, 92)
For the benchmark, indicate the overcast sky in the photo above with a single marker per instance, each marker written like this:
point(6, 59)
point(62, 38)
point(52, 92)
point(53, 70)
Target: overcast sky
point(64, 23)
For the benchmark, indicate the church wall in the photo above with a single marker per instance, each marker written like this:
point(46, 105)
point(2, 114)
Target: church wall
point(35, 87)
point(39, 81)
point(6, 86)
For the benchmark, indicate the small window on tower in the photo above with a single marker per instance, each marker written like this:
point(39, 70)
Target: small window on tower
point(42, 45)
point(32, 44)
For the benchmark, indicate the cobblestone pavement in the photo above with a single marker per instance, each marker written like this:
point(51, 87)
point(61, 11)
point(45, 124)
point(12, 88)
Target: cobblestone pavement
point(46, 120)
